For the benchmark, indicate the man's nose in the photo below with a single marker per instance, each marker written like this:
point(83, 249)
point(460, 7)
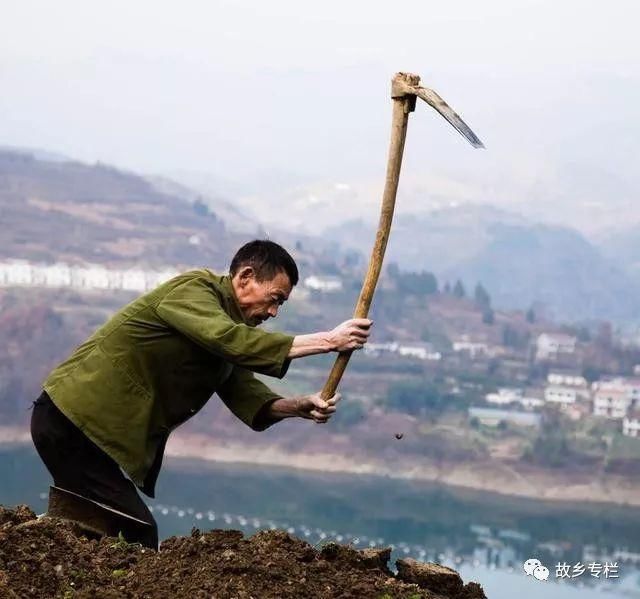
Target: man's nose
point(273, 311)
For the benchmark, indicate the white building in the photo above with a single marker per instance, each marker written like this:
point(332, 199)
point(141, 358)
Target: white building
point(531, 403)
point(567, 379)
point(509, 395)
point(473, 348)
point(16, 272)
point(377, 349)
point(134, 280)
point(323, 283)
point(611, 401)
point(504, 396)
point(551, 346)
point(421, 352)
point(413, 352)
point(58, 275)
point(631, 425)
point(89, 276)
point(633, 388)
point(560, 395)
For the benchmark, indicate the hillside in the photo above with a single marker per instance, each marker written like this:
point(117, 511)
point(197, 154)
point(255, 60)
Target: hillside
point(519, 262)
point(69, 211)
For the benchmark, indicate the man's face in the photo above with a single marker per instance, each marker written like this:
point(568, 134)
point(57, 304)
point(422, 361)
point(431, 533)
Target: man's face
point(260, 300)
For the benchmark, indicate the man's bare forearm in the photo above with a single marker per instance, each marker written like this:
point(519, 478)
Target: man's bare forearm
point(304, 406)
point(310, 345)
point(350, 335)
point(285, 407)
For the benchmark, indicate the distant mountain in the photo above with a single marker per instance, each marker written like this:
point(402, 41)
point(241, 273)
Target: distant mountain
point(36, 153)
point(622, 246)
point(234, 218)
point(518, 261)
point(64, 210)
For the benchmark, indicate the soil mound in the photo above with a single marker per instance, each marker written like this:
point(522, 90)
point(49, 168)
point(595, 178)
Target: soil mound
point(48, 557)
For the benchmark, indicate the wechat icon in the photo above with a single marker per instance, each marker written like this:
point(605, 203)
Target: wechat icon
point(533, 567)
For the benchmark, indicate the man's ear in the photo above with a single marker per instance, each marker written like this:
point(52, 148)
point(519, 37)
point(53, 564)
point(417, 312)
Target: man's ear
point(245, 275)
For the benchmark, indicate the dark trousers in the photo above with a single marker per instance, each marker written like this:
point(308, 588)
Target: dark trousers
point(78, 465)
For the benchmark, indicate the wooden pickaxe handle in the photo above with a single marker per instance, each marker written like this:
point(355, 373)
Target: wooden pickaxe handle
point(403, 104)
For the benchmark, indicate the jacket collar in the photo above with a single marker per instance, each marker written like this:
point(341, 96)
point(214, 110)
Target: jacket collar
point(232, 301)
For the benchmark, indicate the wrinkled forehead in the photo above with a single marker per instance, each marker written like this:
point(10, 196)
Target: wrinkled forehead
point(280, 284)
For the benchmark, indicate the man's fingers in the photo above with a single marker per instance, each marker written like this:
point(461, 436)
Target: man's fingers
point(318, 402)
point(319, 417)
point(358, 330)
point(359, 334)
point(364, 323)
point(332, 401)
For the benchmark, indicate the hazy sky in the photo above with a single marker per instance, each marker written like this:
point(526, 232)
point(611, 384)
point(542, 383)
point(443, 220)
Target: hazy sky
point(286, 90)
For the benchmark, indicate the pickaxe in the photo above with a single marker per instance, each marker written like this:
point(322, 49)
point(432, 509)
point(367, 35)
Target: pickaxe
point(405, 89)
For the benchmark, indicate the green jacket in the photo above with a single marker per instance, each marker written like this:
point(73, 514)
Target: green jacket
point(157, 361)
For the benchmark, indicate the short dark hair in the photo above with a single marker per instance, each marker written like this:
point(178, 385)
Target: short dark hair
point(267, 258)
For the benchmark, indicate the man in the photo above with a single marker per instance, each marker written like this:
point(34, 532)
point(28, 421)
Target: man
point(107, 411)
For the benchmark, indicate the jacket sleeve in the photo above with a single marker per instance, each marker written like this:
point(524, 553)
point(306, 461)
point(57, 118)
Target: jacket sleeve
point(247, 397)
point(194, 309)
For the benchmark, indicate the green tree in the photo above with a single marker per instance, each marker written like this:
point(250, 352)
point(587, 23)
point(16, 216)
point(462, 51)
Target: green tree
point(551, 447)
point(416, 283)
point(458, 289)
point(482, 298)
point(488, 317)
point(200, 208)
point(415, 398)
point(584, 335)
point(531, 316)
point(510, 337)
point(591, 373)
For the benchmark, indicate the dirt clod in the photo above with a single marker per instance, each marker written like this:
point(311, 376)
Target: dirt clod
point(51, 559)
point(437, 578)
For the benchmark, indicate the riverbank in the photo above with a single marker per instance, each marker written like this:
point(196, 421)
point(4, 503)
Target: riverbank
point(494, 476)
point(512, 479)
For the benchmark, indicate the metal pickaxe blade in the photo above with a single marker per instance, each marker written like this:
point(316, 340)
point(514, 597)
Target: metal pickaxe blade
point(403, 87)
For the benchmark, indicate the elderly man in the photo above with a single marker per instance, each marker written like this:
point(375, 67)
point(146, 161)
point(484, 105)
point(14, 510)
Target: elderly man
point(103, 419)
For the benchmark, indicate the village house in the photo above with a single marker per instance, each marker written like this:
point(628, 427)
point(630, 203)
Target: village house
point(474, 349)
point(553, 346)
point(16, 272)
point(531, 402)
point(422, 351)
point(378, 349)
point(494, 416)
point(567, 379)
point(89, 276)
point(58, 275)
point(560, 395)
point(504, 396)
point(631, 424)
point(611, 399)
point(507, 395)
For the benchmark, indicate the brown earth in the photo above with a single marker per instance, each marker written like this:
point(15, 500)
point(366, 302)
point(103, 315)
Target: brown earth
point(46, 557)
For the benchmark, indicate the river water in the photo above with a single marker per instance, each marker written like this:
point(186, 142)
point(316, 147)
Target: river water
point(485, 537)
